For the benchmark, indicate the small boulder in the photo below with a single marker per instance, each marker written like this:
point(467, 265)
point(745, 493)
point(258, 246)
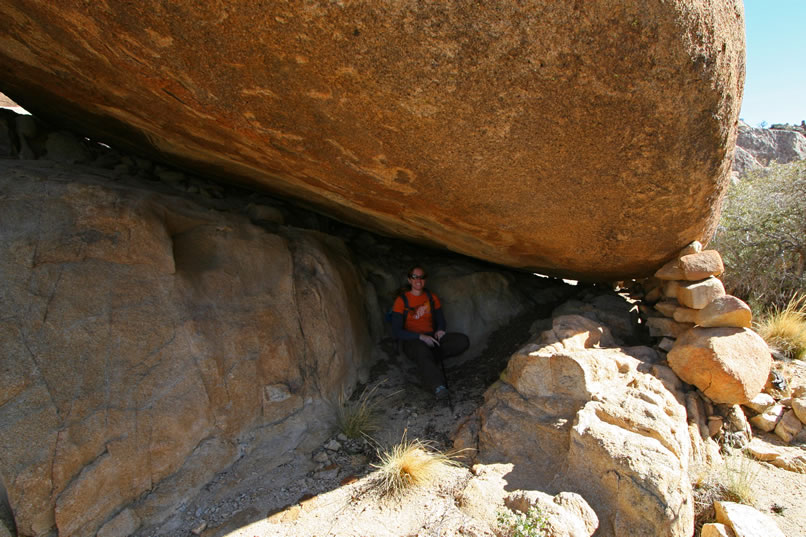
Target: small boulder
point(767, 420)
point(760, 403)
point(701, 265)
point(692, 266)
point(694, 247)
point(746, 521)
point(566, 515)
point(729, 365)
point(788, 427)
point(725, 310)
point(698, 294)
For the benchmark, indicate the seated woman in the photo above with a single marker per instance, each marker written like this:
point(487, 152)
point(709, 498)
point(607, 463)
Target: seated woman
point(418, 321)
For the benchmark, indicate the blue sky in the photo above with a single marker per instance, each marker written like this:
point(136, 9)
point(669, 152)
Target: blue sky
point(775, 85)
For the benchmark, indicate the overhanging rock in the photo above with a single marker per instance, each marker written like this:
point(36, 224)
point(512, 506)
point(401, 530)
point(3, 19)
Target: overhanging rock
point(585, 139)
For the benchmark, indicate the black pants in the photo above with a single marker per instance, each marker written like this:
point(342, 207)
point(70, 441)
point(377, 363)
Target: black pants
point(427, 358)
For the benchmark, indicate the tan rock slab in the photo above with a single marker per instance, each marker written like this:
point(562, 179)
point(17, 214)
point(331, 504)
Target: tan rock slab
point(729, 365)
point(485, 492)
point(577, 332)
point(685, 315)
point(789, 458)
point(701, 265)
point(799, 407)
point(715, 529)
point(693, 266)
point(663, 327)
point(699, 294)
point(669, 379)
point(746, 521)
point(694, 247)
point(725, 310)
point(788, 427)
point(123, 525)
point(667, 307)
point(760, 403)
point(670, 271)
point(671, 288)
point(767, 420)
point(762, 451)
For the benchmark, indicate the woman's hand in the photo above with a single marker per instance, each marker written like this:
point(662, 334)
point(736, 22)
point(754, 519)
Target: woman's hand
point(428, 340)
point(439, 334)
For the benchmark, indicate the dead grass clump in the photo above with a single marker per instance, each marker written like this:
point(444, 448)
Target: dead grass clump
point(410, 464)
point(360, 417)
point(732, 480)
point(785, 329)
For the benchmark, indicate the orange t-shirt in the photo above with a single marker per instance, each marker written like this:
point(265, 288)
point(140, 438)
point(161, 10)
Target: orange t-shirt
point(419, 319)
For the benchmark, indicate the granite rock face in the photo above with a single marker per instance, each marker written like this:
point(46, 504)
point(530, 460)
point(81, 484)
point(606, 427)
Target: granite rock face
point(551, 136)
point(591, 420)
point(146, 344)
point(758, 148)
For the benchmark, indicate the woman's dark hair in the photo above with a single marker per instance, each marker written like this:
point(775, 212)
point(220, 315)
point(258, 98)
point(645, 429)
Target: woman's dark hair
point(411, 270)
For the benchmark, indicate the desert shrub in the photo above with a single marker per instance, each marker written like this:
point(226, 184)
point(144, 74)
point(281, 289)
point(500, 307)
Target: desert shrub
point(529, 524)
point(762, 235)
point(784, 329)
point(409, 464)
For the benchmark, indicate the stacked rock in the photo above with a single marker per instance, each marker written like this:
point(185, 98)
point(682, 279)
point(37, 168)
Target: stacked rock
point(709, 343)
point(785, 417)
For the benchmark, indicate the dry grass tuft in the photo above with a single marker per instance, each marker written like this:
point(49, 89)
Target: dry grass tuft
point(731, 481)
point(785, 329)
point(410, 464)
point(360, 417)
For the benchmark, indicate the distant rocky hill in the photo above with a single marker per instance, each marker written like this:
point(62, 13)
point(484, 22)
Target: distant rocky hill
point(757, 147)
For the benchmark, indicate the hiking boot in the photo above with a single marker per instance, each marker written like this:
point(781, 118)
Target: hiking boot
point(441, 393)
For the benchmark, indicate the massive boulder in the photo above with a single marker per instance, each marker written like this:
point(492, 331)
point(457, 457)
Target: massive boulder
point(590, 139)
point(147, 343)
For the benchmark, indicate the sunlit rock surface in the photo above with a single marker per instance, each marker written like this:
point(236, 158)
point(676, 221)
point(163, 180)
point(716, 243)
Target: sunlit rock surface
point(583, 139)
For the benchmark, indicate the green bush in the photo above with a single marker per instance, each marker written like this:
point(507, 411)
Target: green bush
point(762, 235)
point(515, 524)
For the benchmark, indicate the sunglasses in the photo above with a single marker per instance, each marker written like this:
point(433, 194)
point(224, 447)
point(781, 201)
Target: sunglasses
point(417, 276)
